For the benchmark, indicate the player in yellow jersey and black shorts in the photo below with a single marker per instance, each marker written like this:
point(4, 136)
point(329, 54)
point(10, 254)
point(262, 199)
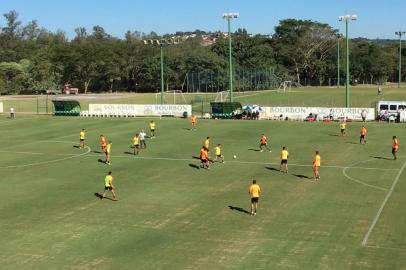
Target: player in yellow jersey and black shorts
point(284, 160)
point(254, 191)
point(136, 144)
point(82, 135)
point(108, 186)
point(217, 151)
point(152, 127)
point(343, 128)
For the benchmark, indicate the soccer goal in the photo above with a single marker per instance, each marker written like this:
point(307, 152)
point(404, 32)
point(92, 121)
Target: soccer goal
point(172, 97)
point(222, 96)
point(285, 86)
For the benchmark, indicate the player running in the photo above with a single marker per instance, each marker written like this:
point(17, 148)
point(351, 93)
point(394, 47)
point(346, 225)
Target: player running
point(204, 157)
point(343, 128)
point(108, 186)
point(136, 144)
point(264, 143)
point(82, 135)
point(395, 147)
point(254, 191)
point(152, 127)
point(107, 152)
point(103, 144)
point(316, 165)
point(193, 120)
point(363, 134)
point(284, 160)
point(217, 151)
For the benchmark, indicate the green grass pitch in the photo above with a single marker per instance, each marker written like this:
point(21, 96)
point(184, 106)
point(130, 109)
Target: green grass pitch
point(171, 215)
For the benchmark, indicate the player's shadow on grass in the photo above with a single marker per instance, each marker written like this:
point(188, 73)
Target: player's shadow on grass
point(101, 161)
point(384, 158)
point(301, 176)
point(255, 150)
point(352, 143)
point(195, 157)
point(194, 166)
point(129, 153)
point(100, 196)
point(272, 169)
point(239, 209)
point(97, 152)
point(334, 135)
point(76, 146)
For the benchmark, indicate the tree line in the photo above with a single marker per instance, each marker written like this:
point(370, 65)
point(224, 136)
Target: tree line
point(34, 59)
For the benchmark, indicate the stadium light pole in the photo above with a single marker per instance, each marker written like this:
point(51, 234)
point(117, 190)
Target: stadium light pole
point(229, 17)
point(338, 60)
point(347, 19)
point(161, 43)
point(400, 34)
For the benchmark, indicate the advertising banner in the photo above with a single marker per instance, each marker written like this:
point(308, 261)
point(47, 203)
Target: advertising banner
point(300, 113)
point(140, 110)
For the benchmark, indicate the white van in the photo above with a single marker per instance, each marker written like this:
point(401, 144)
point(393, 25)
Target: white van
point(392, 107)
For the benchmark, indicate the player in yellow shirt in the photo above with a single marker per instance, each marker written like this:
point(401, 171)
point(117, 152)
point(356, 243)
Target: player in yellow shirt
point(108, 186)
point(136, 144)
point(255, 192)
point(343, 128)
point(316, 165)
point(82, 135)
point(107, 152)
point(217, 151)
point(207, 143)
point(284, 160)
point(152, 127)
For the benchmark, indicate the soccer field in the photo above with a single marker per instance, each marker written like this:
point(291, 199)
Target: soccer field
point(172, 215)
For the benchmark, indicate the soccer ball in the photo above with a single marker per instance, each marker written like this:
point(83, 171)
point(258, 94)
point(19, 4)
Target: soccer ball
point(234, 156)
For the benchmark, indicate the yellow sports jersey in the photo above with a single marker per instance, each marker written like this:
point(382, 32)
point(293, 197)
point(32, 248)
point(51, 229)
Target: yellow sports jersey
point(82, 135)
point(108, 181)
point(284, 154)
point(136, 140)
point(317, 160)
point(343, 125)
point(255, 190)
point(217, 149)
point(108, 148)
point(151, 125)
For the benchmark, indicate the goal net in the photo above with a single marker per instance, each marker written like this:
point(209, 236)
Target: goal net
point(285, 86)
point(222, 96)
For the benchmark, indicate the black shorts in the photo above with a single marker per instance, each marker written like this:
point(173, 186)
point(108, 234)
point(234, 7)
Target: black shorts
point(284, 161)
point(342, 130)
point(204, 160)
point(108, 188)
point(254, 199)
point(82, 140)
point(219, 155)
point(394, 150)
point(152, 130)
point(136, 146)
point(362, 136)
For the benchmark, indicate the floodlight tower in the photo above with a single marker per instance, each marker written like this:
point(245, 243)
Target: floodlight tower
point(338, 60)
point(400, 34)
point(229, 17)
point(161, 43)
point(347, 19)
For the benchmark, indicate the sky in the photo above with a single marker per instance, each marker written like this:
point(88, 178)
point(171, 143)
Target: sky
point(376, 18)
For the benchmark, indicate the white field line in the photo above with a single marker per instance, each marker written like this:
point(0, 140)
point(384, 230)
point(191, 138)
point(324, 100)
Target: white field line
point(242, 162)
point(378, 214)
point(49, 161)
point(359, 181)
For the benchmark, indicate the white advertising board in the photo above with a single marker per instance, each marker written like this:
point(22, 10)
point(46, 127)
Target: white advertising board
point(139, 110)
point(1, 107)
point(300, 113)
